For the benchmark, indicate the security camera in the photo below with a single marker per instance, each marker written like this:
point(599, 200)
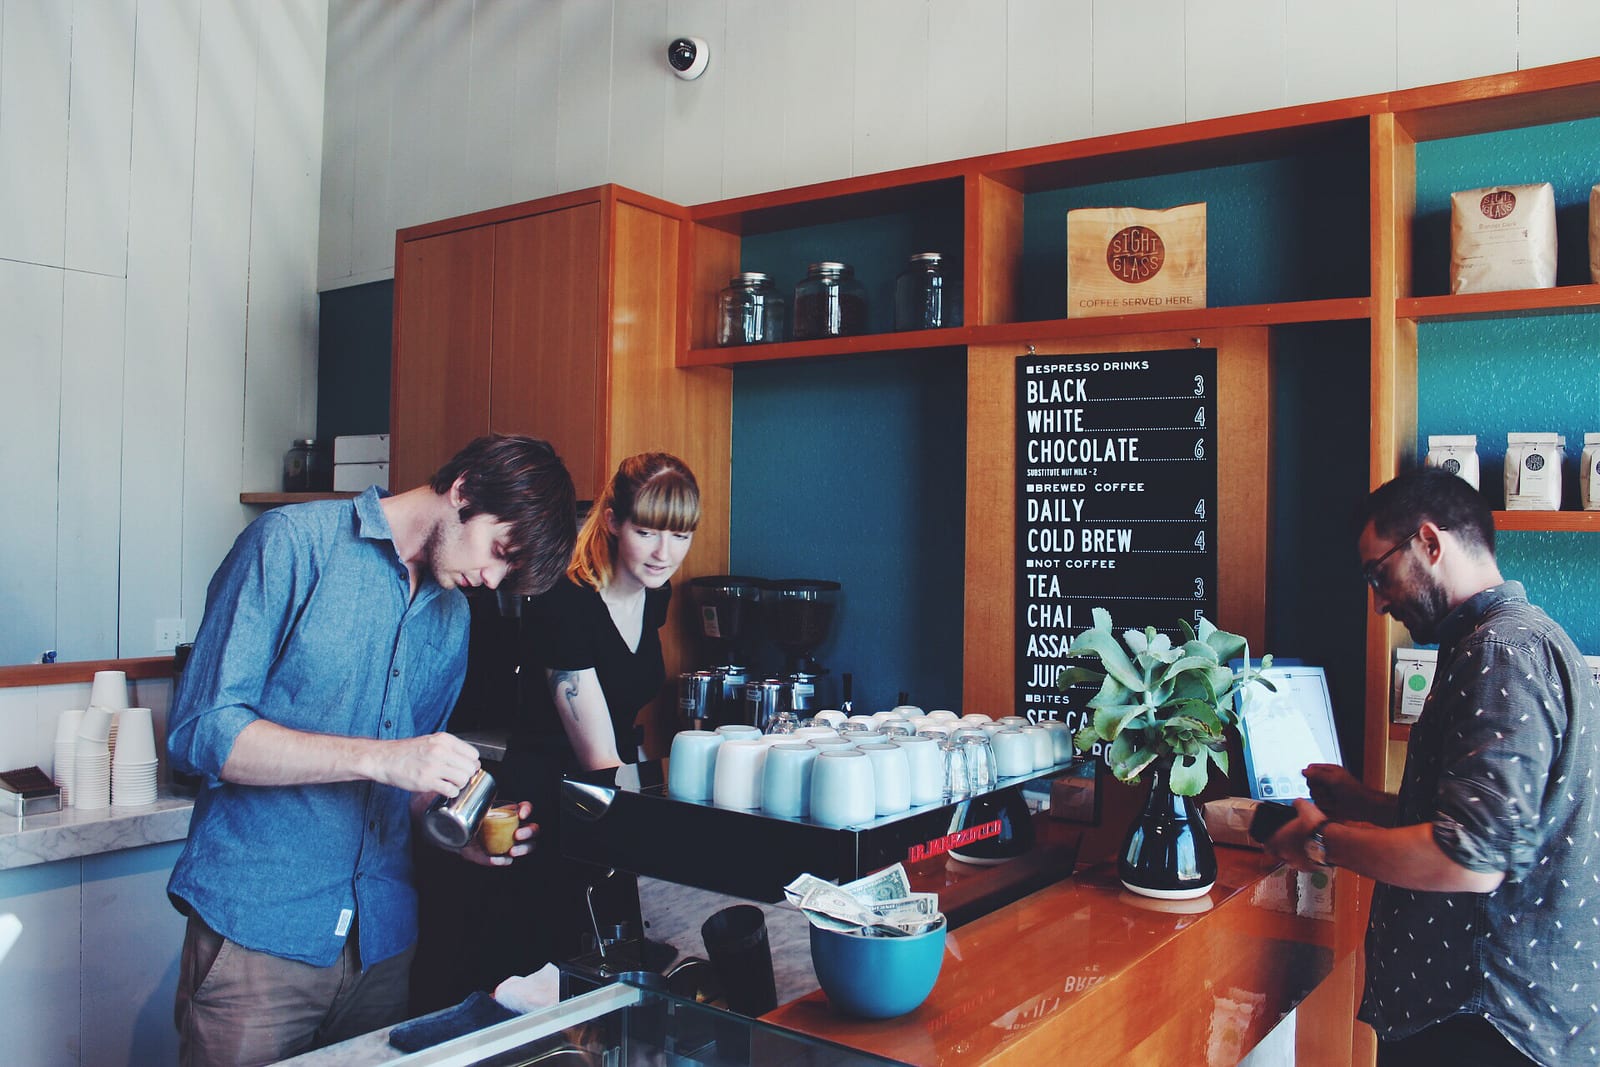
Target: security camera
point(687, 56)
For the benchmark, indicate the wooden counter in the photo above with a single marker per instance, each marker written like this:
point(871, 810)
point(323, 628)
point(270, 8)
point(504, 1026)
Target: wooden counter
point(1085, 968)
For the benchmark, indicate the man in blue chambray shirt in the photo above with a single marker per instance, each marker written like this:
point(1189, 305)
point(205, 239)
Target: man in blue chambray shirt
point(1481, 940)
point(332, 649)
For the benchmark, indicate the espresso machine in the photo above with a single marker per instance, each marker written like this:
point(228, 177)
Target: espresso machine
point(798, 615)
point(727, 610)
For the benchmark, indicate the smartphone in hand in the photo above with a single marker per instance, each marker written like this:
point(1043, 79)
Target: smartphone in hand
point(1268, 819)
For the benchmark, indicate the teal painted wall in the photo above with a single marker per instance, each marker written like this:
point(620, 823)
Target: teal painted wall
point(855, 471)
point(1535, 373)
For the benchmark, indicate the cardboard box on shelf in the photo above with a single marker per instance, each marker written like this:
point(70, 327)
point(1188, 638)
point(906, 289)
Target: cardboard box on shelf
point(361, 448)
point(355, 477)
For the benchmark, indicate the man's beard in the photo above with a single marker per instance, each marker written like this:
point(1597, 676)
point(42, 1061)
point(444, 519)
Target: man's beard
point(1424, 609)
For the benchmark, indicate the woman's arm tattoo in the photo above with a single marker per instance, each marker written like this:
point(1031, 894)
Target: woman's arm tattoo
point(565, 685)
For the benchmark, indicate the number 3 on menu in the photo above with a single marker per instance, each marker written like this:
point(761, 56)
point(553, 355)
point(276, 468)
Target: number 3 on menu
point(1199, 385)
point(1199, 588)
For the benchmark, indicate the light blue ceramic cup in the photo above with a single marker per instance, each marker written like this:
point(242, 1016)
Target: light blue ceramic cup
point(691, 764)
point(786, 780)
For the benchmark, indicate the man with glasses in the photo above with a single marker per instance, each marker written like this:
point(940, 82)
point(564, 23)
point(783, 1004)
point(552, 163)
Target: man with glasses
point(1483, 941)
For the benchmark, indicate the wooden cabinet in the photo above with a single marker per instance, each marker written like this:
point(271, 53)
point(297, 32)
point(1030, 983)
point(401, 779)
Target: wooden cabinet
point(556, 318)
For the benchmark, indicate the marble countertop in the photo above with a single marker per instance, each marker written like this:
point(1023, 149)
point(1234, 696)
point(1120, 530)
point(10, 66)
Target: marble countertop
point(74, 832)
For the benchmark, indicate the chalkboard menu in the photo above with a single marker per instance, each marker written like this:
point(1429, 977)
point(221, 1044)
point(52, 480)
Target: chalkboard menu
point(1116, 505)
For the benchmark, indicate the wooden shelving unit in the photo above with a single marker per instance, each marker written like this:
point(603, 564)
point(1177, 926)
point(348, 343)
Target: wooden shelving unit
point(1549, 521)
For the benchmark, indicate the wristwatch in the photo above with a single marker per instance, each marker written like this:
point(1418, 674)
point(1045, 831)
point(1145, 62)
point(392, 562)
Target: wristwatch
point(1316, 846)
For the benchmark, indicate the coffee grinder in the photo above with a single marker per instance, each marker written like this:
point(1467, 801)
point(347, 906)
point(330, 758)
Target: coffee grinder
point(727, 608)
point(798, 613)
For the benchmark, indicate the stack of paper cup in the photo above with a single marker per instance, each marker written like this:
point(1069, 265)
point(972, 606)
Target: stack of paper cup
point(91, 779)
point(110, 691)
point(133, 765)
point(67, 753)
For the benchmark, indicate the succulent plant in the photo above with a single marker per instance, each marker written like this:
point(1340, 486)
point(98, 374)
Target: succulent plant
point(1159, 700)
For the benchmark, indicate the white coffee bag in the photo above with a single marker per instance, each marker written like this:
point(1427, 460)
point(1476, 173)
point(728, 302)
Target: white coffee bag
point(1589, 480)
point(1533, 471)
point(1456, 453)
point(1413, 677)
point(1503, 238)
point(1594, 234)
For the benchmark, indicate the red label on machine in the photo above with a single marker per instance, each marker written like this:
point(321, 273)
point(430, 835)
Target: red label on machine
point(940, 845)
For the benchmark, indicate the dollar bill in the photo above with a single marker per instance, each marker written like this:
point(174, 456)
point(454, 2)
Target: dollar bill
point(887, 884)
point(914, 906)
point(796, 890)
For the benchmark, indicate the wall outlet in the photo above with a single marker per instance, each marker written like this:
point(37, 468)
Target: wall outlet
point(169, 634)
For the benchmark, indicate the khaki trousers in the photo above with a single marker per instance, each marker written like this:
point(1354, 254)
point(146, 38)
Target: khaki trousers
point(236, 1007)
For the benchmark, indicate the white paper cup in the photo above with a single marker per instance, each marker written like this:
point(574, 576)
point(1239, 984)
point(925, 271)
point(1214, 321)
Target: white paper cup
point(68, 724)
point(736, 783)
point(65, 767)
point(95, 724)
point(136, 738)
point(1013, 752)
point(842, 791)
point(109, 691)
point(925, 768)
point(786, 780)
point(691, 765)
point(891, 778)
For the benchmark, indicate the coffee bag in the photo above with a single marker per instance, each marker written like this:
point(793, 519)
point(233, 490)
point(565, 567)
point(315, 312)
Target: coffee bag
point(1594, 234)
point(1589, 480)
point(1533, 471)
point(1503, 238)
point(1457, 454)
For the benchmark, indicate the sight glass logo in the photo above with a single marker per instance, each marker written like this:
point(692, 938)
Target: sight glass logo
point(1135, 254)
point(1498, 203)
point(1534, 462)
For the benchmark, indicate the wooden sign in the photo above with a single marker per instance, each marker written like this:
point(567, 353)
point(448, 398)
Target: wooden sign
point(1116, 505)
point(1127, 260)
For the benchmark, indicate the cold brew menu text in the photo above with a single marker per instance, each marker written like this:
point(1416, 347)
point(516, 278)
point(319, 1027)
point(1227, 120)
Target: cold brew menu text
point(1116, 505)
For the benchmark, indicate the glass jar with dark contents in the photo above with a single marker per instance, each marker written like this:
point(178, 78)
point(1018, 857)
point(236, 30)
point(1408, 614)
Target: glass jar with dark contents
point(306, 468)
point(829, 302)
point(750, 311)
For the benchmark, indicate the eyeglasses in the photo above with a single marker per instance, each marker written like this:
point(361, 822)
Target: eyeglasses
point(1372, 572)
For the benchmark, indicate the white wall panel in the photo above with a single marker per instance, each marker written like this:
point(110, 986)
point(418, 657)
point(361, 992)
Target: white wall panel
point(231, 47)
point(378, 29)
point(760, 94)
point(583, 98)
point(19, 715)
point(891, 86)
point(165, 68)
point(691, 157)
point(39, 1017)
point(88, 518)
point(340, 134)
point(453, 188)
point(809, 81)
point(1138, 64)
point(99, 127)
point(1338, 50)
point(533, 123)
point(640, 82)
point(1554, 31)
point(281, 332)
point(966, 65)
point(30, 382)
point(491, 103)
point(1234, 58)
point(413, 83)
point(1444, 40)
point(1049, 71)
point(34, 62)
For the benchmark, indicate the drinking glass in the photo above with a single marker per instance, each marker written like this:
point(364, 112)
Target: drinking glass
point(982, 772)
point(957, 783)
point(783, 722)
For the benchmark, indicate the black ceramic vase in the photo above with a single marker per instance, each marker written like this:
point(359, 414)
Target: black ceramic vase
point(1167, 853)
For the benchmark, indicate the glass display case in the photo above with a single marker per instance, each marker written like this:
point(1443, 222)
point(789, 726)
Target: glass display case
point(620, 1025)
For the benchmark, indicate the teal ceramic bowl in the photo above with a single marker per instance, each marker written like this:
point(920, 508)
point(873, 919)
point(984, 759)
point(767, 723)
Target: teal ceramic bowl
point(876, 977)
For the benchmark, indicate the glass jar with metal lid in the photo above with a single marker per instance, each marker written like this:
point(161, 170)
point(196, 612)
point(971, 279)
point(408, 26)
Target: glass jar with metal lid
point(306, 468)
point(924, 299)
point(829, 302)
point(750, 311)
